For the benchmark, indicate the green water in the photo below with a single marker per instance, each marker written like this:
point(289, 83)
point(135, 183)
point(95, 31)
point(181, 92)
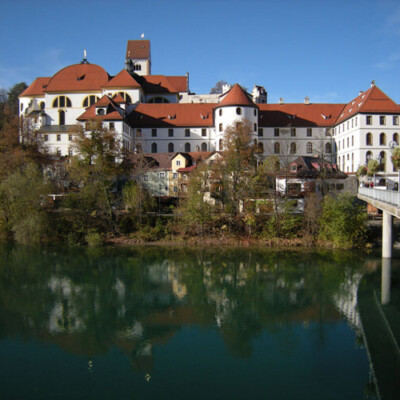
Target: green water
point(123, 323)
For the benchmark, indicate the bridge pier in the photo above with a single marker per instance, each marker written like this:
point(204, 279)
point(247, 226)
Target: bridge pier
point(387, 226)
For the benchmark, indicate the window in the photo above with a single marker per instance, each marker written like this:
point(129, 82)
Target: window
point(158, 100)
point(46, 138)
point(170, 132)
point(238, 111)
point(175, 175)
point(255, 112)
point(348, 142)
point(154, 132)
point(328, 148)
point(204, 146)
point(89, 101)
point(368, 156)
point(255, 127)
point(22, 107)
point(260, 147)
point(146, 178)
point(61, 117)
point(69, 137)
point(220, 112)
point(187, 147)
point(175, 189)
point(382, 139)
point(178, 163)
point(112, 125)
point(293, 132)
point(58, 152)
point(170, 147)
point(276, 132)
point(220, 128)
point(395, 119)
point(162, 175)
point(221, 145)
point(339, 186)
point(309, 148)
point(369, 119)
point(154, 147)
point(187, 132)
point(396, 138)
point(352, 140)
point(42, 105)
point(138, 132)
point(293, 148)
point(382, 120)
point(260, 132)
point(368, 140)
point(277, 148)
point(309, 132)
point(62, 101)
point(203, 132)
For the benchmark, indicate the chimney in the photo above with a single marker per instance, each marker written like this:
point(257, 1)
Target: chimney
point(281, 101)
point(361, 92)
point(306, 100)
point(372, 83)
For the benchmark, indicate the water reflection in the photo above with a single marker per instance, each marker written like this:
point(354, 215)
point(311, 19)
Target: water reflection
point(89, 302)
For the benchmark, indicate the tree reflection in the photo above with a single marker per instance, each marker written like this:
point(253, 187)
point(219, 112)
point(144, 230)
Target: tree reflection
point(88, 301)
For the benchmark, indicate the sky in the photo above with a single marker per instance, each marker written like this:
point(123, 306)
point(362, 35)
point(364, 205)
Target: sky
point(327, 50)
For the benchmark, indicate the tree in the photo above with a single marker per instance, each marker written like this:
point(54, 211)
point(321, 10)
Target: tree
point(373, 167)
point(217, 88)
point(12, 96)
point(21, 214)
point(343, 221)
point(94, 171)
point(396, 157)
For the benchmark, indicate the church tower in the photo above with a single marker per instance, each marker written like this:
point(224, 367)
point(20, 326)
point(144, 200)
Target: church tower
point(138, 57)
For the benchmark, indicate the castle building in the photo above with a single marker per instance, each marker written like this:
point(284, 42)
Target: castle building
point(159, 114)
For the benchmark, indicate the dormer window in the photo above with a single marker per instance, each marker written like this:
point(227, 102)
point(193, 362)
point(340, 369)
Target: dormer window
point(101, 111)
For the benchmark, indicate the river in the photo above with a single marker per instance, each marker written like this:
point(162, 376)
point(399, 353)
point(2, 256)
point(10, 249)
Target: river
point(176, 323)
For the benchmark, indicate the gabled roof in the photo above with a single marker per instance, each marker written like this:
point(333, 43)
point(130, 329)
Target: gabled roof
point(78, 77)
point(122, 80)
point(36, 88)
point(138, 49)
point(113, 112)
point(236, 96)
point(172, 114)
point(371, 101)
point(313, 167)
point(298, 115)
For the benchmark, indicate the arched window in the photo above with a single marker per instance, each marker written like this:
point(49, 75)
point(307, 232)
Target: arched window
point(221, 145)
point(204, 146)
point(396, 138)
point(293, 148)
point(220, 112)
point(309, 148)
point(382, 139)
point(328, 148)
point(277, 148)
point(62, 102)
point(260, 147)
point(187, 147)
point(61, 117)
point(238, 111)
point(90, 100)
point(170, 147)
point(158, 100)
point(42, 105)
point(382, 161)
point(125, 96)
point(368, 156)
point(368, 139)
point(154, 147)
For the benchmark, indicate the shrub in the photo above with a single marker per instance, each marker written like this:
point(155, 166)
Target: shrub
point(94, 239)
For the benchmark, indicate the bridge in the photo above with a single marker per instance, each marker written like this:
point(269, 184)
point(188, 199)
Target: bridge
point(389, 202)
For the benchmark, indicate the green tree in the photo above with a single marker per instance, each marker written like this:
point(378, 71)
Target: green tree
point(12, 96)
point(21, 213)
point(343, 221)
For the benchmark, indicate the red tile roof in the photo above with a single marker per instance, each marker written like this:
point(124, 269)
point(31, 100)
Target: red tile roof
point(172, 114)
point(139, 49)
point(78, 77)
point(113, 113)
point(298, 115)
point(122, 79)
point(36, 88)
point(164, 84)
point(236, 97)
point(371, 101)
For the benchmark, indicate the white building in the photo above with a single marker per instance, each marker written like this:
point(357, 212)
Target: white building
point(157, 114)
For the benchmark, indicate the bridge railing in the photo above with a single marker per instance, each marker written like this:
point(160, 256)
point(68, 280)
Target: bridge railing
point(387, 196)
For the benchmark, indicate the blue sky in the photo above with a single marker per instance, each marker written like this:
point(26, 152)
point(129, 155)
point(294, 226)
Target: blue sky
point(327, 50)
